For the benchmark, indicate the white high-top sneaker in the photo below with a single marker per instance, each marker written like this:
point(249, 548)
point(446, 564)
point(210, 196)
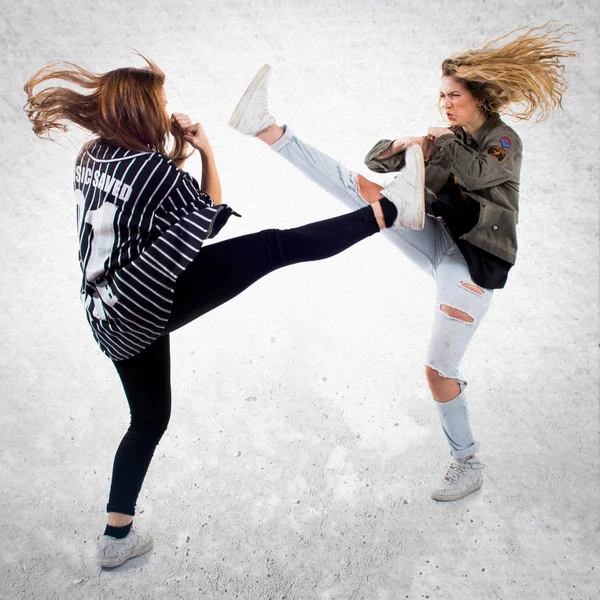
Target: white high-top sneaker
point(407, 191)
point(113, 552)
point(463, 478)
point(251, 115)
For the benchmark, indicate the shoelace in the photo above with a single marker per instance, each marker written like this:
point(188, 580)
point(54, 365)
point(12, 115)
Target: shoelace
point(454, 472)
point(456, 469)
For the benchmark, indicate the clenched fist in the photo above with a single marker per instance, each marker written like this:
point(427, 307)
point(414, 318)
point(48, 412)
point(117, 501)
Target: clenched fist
point(193, 133)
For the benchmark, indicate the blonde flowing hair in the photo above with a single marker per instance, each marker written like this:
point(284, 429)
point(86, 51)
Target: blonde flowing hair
point(124, 107)
point(520, 77)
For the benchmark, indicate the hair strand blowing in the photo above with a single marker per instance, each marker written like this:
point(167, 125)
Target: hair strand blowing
point(521, 77)
point(124, 107)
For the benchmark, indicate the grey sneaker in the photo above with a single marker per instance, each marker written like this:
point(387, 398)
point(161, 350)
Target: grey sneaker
point(113, 552)
point(463, 478)
point(407, 191)
point(251, 115)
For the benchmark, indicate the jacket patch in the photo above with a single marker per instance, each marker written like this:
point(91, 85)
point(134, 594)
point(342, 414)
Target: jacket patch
point(497, 152)
point(506, 143)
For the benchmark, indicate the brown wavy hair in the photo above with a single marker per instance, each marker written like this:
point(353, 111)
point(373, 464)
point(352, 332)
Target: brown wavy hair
point(124, 107)
point(520, 77)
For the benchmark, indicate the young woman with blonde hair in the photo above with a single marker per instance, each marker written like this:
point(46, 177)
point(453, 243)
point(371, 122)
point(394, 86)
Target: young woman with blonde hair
point(469, 241)
point(142, 222)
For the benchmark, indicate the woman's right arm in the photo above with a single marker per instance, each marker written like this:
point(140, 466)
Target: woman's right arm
point(211, 183)
point(194, 134)
point(387, 156)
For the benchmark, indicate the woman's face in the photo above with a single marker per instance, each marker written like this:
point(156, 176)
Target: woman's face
point(461, 108)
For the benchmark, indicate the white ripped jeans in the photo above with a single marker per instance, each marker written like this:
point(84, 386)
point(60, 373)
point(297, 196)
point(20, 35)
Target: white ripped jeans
point(432, 249)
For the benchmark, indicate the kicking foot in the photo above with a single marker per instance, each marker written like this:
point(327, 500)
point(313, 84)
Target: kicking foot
point(463, 478)
point(113, 552)
point(407, 191)
point(251, 115)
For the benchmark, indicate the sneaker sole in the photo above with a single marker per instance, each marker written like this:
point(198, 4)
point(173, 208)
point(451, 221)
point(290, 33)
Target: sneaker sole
point(117, 562)
point(240, 109)
point(414, 164)
point(419, 221)
point(456, 496)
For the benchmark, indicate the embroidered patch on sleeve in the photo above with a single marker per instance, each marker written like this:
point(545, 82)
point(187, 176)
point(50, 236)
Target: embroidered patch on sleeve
point(496, 152)
point(506, 143)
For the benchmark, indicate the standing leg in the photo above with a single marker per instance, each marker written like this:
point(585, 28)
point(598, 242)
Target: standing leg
point(147, 384)
point(146, 379)
point(460, 307)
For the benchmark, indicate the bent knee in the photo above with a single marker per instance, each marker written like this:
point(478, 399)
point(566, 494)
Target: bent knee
point(434, 377)
point(442, 388)
point(148, 429)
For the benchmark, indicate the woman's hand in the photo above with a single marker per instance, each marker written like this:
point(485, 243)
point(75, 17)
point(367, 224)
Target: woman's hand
point(193, 133)
point(401, 144)
point(397, 146)
point(427, 146)
point(433, 133)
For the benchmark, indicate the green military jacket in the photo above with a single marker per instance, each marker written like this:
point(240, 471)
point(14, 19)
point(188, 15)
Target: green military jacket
point(487, 167)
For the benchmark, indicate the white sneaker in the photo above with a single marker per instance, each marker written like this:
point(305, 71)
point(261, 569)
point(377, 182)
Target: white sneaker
point(251, 115)
point(463, 478)
point(113, 552)
point(407, 191)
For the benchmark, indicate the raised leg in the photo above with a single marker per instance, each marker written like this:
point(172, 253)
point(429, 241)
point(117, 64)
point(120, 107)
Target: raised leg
point(460, 308)
point(223, 270)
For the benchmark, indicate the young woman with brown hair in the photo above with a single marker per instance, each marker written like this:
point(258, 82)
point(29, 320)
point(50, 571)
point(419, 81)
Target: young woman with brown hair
point(142, 222)
point(469, 242)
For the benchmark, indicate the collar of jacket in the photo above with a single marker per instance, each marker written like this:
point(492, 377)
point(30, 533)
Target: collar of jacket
point(480, 133)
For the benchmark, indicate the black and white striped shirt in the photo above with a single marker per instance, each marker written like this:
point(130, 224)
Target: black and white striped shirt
point(141, 222)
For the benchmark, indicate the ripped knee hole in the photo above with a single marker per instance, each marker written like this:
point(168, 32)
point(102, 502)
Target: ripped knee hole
point(456, 314)
point(433, 374)
point(369, 191)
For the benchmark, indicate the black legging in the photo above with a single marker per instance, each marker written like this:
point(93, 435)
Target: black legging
point(220, 272)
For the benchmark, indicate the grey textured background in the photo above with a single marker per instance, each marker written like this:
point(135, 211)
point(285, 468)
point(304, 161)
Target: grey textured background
point(303, 441)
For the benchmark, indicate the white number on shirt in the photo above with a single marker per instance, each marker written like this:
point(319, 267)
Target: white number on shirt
point(102, 239)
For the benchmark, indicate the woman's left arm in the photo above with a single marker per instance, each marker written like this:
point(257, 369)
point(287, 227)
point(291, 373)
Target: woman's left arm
point(211, 183)
point(194, 134)
point(474, 169)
